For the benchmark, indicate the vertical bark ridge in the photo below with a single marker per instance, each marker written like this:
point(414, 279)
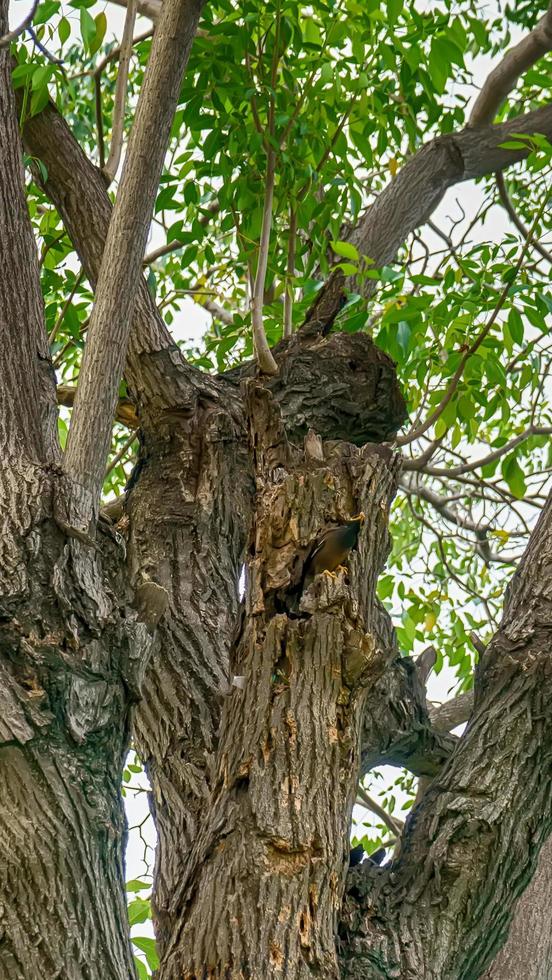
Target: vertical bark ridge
point(60, 872)
point(28, 434)
point(189, 540)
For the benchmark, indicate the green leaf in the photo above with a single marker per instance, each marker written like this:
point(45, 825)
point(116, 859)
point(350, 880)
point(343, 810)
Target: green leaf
point(139, 910)
point(135, 885)
point(394, 8)
point(64, 30)
point(515, 325)
point(147, 946)
point(22, 73)
point(41, 76)
point(88, 28)
point(347, 268)
point(514, 476)
point(45, 11)
point(345, 249)
point(141, 969)
point(101, 27)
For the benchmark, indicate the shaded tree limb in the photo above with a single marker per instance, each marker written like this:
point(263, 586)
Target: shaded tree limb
point(505, 75)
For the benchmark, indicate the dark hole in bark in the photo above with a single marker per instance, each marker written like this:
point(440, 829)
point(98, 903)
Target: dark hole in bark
point(241, 785)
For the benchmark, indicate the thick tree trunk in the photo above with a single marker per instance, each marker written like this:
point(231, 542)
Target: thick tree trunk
point(275, 829)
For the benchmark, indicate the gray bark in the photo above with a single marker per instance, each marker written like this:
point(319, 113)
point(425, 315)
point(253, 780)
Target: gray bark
point(472, 844)
point(110, 323)
point(274, 834)
point(527, 951)
point(70, 653)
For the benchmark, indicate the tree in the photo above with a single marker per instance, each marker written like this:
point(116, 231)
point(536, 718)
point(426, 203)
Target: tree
point(360, 357)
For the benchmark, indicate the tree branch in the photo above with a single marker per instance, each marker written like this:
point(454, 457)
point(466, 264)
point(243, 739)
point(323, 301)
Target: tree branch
point(474, 840)
point(508, 447)
point(7, 39)
point(264, 355)
point(516, 220)
point(445, 717)
point(147, 8)
point(104, 355)
point(504, 77)
point(410, 199)
point(395, 826)
point(117, 127)
point(440, 505)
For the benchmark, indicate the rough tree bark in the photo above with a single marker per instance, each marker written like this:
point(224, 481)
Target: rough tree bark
point(275, 831)
point(70, 647)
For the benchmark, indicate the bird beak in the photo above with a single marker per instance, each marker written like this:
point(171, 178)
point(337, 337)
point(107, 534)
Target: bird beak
point(361, 518)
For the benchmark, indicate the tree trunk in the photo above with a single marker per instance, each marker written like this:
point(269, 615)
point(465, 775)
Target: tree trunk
point(471, 846)
point(262, 887)
point(527, 951)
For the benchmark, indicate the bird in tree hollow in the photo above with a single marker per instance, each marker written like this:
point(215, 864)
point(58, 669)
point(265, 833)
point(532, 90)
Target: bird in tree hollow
point(331, 548)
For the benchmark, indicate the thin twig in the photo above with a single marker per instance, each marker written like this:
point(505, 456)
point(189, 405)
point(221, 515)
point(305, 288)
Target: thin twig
point(44, 50)
point(51, 244)
point(7, 39)
point(65, 307)
point(394, 825)
point(290, 272)
point(515, 218)
point(117, 128)
point(122, 452)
